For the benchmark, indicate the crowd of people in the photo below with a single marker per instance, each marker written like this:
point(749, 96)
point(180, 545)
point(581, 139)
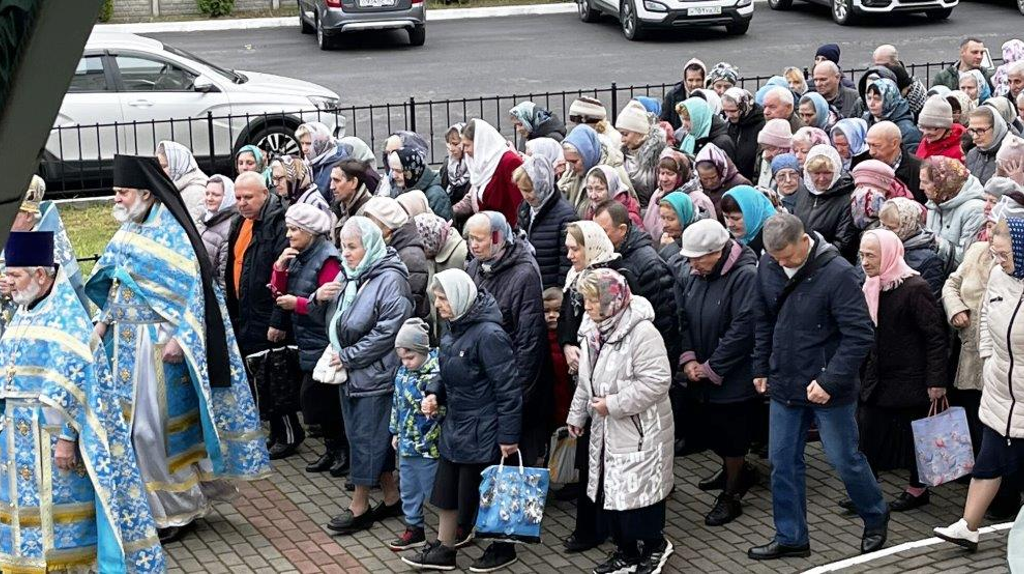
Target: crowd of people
point(721, 270)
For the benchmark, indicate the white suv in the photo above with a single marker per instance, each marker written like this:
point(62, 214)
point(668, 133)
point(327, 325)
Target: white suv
point(130, 92)
point(846, 12)
point(637, 17)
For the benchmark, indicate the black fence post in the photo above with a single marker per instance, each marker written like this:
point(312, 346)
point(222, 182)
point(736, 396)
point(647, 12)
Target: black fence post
point(615, 102)
point(209, 131)
point(412, 114)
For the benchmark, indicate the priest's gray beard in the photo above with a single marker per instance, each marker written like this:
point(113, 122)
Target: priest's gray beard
point(28, 295)
point(133, 214)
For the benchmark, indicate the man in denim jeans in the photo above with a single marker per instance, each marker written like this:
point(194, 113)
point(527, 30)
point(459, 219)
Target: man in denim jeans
point(813, 332)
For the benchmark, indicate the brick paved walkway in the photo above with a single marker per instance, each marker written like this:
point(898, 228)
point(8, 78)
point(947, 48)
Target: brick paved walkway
point(275, 526)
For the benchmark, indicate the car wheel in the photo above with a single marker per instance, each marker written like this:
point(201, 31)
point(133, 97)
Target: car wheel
point(944, 13)
point(1020, 6)
point(780, 4)
point(630, 22)
point(303, 25)
point(276, 140)
point(738, 29)
point(322, 39)
point(588, 14)
point(417, 35)
point(842, 12)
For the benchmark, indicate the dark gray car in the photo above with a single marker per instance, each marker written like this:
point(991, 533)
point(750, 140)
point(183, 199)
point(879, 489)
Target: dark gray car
point(329, 19)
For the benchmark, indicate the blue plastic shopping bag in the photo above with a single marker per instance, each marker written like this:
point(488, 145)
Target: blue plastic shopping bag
point(942, 444)
point(512, 503)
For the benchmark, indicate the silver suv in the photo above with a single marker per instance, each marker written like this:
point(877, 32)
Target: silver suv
point(331, 18)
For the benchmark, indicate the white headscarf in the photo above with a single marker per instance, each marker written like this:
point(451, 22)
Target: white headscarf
point(548, 148)
point(597, 249)
point(229, 195)
point(832, 155)
point(488, 148)
point(180, 161)
point(458, 288)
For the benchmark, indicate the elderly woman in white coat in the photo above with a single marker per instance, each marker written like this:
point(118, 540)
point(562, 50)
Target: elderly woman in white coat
point(624, 378)
point(180, 165)
point(1002, 407)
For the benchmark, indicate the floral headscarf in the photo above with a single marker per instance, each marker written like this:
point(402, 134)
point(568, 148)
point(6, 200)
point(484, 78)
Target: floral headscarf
point(893, 269)
point(830, 154)
point(865, 205)
point(1016, 225)
point(296, 172)
point(723, 71)
point(530, 115)
point(814, 136)
point(948, 176)
point(597, 250)
point(433, 231)
point(547, 147)
point(410, 162)
point(741, 98)
point(984, 91)
point(322, 145)
point(613, 296)
point(180, 161)
point(1013, 51)
point(890, 95)
point(542, 176)
point(908, 215)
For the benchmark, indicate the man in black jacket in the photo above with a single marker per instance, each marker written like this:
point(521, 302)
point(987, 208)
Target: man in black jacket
point(256, 240)
point(694, 73)
point(885, 143)
point(812, 333)
point(828, 80)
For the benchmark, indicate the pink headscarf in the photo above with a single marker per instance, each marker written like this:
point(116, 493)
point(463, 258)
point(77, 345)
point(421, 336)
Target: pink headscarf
point(893, 269)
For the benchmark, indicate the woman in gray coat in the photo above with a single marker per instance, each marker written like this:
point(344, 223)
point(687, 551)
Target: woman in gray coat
point(364, 309)
point(624, 378)
point(216, 222)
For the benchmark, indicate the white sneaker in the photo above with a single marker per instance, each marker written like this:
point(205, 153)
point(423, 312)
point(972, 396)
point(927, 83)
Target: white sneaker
point(958, 533)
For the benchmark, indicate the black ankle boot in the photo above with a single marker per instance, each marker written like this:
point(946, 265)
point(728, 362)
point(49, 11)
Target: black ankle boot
point(326, 460)
point(340, 467)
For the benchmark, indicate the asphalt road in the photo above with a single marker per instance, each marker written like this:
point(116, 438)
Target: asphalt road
point(540, 53)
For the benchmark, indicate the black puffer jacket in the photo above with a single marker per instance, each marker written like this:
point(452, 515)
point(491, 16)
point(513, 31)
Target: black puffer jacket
point(514, 281)
point(829, 214)
point(546, 232)
point(406, 241)
point(716, 325)
point(718, 135)
point(478, 385)
point(744, 139)
point(252, 307)
point(654, 283)
point(921, 254)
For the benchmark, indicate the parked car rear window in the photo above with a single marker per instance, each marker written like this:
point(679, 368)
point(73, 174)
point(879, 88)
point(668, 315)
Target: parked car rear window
point(89, 76)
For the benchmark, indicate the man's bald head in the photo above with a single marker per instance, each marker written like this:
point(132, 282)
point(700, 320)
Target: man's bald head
point(885, 55)
point(884, 141)
point(250, 194)
point(827, 79)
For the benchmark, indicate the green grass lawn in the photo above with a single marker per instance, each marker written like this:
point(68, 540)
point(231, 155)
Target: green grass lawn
point(89, 230)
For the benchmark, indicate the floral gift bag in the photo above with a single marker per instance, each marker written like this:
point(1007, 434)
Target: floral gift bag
point(512, 503)
point(942, 443)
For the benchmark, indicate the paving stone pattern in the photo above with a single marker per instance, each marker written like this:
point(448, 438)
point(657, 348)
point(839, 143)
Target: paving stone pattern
point(276, 526)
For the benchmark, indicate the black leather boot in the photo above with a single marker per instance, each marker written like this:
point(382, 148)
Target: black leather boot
point(341, 464)
point(326, 460)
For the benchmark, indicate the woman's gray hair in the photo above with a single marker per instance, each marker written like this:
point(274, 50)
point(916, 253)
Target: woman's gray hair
point(782, 230)
point(351, 230)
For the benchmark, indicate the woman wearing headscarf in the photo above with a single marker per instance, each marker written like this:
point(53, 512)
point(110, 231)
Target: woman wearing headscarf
point(903, 217)
point(414, 203)
point(717, 175)
point(974, 84)
point(454, 172)
point(702, 127)
point(1010, 160)
point(216, 222)
point(292, 181)
point(787, 179)
point(815, 111)
point(1013, 51)
point(716, 295)
point(359, 150)
point(590, 112)
point(746, 120)
point(483, 411)
point(400, 233)
point(988, 130)
point(955, 207)
point(722, 77)
point(885, 103)
point(642, 144)
point(776, 138)
point(940, 135)
point(251, 158)
point(806, 138)
point(746, 209)
point(583, 150)
point(550, 149)
point(875, 183)
point(675, 173)
point(323, 153)
point(543, 217)
point(532, 121)
point(363, 308)
point(603, 183)
point(825, 207)
point(849, 137)
point(624, 378)
point(181, 167)
point(676, 212)
point(1001, 339)
point(491, 162)
point(410, 172)
point(445, 249)
point(905, 369)
point(1008, 111)
point(309, 262)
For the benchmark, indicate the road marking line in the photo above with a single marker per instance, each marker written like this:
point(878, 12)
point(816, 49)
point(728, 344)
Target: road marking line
point(863, 558)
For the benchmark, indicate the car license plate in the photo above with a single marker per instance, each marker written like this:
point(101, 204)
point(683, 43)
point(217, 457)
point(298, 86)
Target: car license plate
point(704, 11)
point(376, 3)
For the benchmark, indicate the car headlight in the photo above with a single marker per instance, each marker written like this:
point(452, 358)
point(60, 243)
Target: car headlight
point(743, 3)
point(653, 6)
point(324, 102)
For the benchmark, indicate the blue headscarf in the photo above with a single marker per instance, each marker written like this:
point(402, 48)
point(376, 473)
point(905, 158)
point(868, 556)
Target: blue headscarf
point(820, 108)
point(376, 249)
point(1016, 225)
point(893, 103)
point(756, 209)
point(585, 141)
point(650, 104)
point(785, 161)
point(700, 122)
point(682, 205)
point(261, 162)
point(856, 132)
point(773, 82)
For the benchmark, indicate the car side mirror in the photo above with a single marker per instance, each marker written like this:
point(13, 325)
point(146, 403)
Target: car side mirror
point(204, 85)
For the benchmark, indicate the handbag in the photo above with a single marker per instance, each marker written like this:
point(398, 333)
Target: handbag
point(277, 378)
point(942, 444)
point(512, 503)
point(562, 462)
point(325, 373)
